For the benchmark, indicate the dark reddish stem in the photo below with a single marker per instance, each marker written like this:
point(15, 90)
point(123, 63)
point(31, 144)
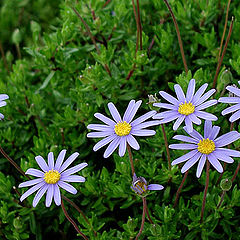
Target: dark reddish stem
point(178, 35)
point(223, 53)
point(205, 190)
point(236, 172)
point(143, 217)
point(148, 215)
point(179, 189)
point(130, 158)
point(221, 200)
point(166, 145)
point(13, 163)
point(92, 37)
point(80, 211)
point(139, 24)
point(106, 3)
point(224, 30)
point(72, 222)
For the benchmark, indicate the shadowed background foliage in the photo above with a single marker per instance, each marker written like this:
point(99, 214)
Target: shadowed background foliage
point(57, 80)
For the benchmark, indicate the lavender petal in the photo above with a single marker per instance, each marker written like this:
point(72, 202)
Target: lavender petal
point(100, 134)
point(128, 110)
point(73, 170)
point(169, 98)
point(199, 93)
point(105, 119)
point(104, 142)
point(143, 118)
point(165, 105)
point(184, 146)
point(206, 115)
point(111, 147)
point(189, 124)
point(226, 139)
point(68, 161)
point(155, 187)
point(31, 190)
point(214, 133)
point(3, 103)
point(180, 93)
point(122, 146)
point(205, 97)
point(3, 97)
point(233, 90)
point(235, 116)
point(178, 122)
point(99, 127)
point(134, 110)
point(206, 105)
point(194, 134)
point(114, 112)
point(186, 139)
point(185, 157)
point(229, 100)
point(67, 187)
point(60, 159)
point(229, 152)
point(215, 163)
point(50, 160)
point(200, 166)
point(231, 109)
point(35, 172)
point(222, 157)
point(30, 182)
point(49, 195)
point(194, 119)
point(41, 163)
point(57, 195)
point(146, 124)
point(133, 142)
point(190, 162)
point(143, 132)
point(207, 128)
point(73, 178)
point(190, 90)
point(39, 195)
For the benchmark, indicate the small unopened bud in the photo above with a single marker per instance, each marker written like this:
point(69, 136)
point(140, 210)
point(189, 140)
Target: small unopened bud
point(226, 184)
point(152, 99)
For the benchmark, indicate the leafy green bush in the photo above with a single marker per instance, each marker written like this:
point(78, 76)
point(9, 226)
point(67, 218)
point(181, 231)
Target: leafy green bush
point(62, 79)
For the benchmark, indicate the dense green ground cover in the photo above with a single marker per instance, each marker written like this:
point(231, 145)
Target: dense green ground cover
point(56, 81)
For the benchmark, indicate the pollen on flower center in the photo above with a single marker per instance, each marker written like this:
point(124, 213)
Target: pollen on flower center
point(186, 108)
point(140, 186)
point(52, 176)
point(122, 128)
point(206, 146)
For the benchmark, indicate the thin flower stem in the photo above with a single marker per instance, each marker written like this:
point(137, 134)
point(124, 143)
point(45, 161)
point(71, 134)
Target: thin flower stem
point(143, 217)
point(223, 53)
point(166, 145)
point(13, 163)
point(106, 3)
point(130, 158)
point(179, 189)
point(148, 215)
point(224, 30)
point(205, 190)
point(178, 35)
point(139, 24)
point(72, 222)
point(236, 172)
point(80, 211)
point(221, 200)
point(91, 36)
point(225, 164)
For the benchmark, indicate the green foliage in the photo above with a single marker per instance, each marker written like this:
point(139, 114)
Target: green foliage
point(61, 80)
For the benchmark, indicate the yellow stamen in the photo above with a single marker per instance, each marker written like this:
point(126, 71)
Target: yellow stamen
point(186, 108)
point(52, 176)
point(122, 128)
point(206, 146)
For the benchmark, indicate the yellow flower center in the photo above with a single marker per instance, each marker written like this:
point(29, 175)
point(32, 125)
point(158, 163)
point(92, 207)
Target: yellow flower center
point(206, 146)
point(122, 128)
point(52, 176)
point(141, 187)
point(186, 108)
